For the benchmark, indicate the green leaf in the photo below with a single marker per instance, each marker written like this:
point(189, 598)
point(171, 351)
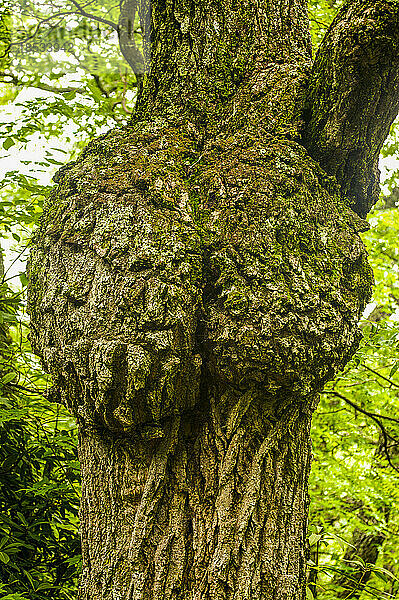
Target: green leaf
point(29, 578)
point(22, 519)
point(70, 95)
point(343, 543)
point(314, 538)
point(23, 279)
point(381, 576)
point(8, 143)
point(74, 560)
point(8, 377)
point(394, 369)
point(381, 571)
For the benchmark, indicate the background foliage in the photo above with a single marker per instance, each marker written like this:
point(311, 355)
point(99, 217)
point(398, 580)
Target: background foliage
point(63, 81)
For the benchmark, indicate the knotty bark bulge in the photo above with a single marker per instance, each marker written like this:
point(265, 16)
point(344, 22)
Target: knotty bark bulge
point(196, 279)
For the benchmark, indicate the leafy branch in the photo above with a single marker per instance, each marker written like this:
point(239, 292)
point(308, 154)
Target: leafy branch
point(378, 420)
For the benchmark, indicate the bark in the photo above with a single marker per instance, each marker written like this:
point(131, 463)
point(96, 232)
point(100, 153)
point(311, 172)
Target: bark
point(127, 44)
point(195, 329)
point(201, 53)
point(196, 279)
point(354, 96)
point(366, 547)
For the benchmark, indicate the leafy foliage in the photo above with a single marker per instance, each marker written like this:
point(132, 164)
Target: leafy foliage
point(73, 94)
point(39, 477)
point(355, 476)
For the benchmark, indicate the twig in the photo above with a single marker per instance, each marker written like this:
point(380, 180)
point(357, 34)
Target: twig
point(44, 86)
point(37, 392)
point(30, 37)
point(376, 418)
point(359, 408)
point(382, 376)
point(94, 17)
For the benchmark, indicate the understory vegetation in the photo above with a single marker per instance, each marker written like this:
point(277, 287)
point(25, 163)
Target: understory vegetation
point(63, 81)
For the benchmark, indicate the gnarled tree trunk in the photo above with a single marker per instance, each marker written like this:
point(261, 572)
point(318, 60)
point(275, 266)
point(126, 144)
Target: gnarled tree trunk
point(196, 279)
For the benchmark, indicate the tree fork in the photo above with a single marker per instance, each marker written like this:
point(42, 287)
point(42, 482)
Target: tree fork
point(196, 279)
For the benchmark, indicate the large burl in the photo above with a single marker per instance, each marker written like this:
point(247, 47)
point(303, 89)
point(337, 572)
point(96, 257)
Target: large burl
point(159, 271)
point(196, 279)
point(189, 300)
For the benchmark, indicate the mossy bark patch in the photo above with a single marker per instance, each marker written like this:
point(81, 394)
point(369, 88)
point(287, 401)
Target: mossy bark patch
point(196, 278)
point(190, 302)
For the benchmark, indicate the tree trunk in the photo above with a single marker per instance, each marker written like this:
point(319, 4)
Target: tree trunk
point(365, 546)
point(196, 279)
point(198, 514)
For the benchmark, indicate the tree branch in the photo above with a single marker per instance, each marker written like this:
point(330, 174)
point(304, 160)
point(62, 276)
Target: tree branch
point(42, 86)
point(353, 97)
point(127, 43)
point(35, 32)
point(82, 11)
point(382, 377)
point(36, 392)
point(375, 416)
point(100, 85)
point(377, 420)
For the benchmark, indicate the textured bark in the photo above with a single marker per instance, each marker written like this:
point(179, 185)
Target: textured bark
point(201, 53)
point(196, 516)
point(196, 279)
point(354, 96)
point(195, 331)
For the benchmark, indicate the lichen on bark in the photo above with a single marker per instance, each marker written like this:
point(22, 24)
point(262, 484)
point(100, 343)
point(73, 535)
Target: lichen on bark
point(171, 285)
point(257, 270)
point(195, 280)
point(353, 97)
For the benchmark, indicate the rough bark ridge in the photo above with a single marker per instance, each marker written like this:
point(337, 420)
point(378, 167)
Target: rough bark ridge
point(195, 280)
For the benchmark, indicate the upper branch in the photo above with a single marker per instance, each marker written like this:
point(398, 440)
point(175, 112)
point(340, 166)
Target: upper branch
point(84, 13)
point(354, 96)
point(127, 43)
